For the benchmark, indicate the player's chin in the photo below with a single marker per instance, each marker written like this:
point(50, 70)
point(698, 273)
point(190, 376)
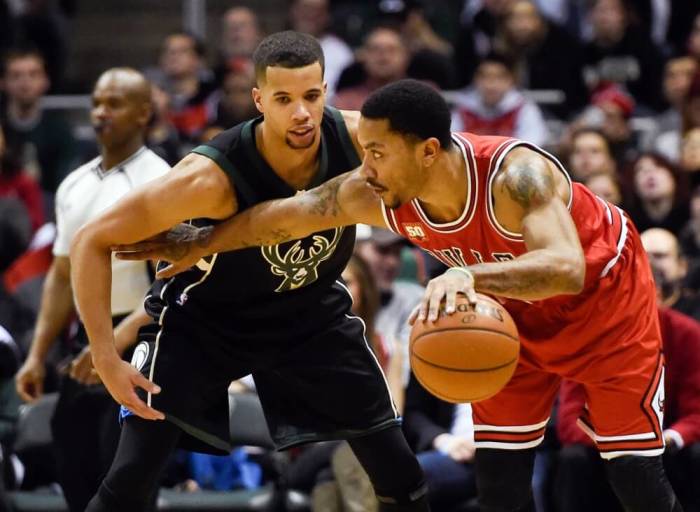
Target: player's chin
point(305, 141)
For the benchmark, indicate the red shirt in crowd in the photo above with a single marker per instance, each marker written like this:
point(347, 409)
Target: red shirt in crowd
point(26, 190)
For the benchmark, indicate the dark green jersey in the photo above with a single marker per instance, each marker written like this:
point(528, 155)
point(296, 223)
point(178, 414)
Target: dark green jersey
point(292, 286)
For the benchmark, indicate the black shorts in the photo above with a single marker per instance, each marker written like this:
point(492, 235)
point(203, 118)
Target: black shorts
point(326, 386)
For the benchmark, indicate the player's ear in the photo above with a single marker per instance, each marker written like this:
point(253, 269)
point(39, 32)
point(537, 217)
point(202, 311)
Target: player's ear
point(257, 99)
point(429, 150)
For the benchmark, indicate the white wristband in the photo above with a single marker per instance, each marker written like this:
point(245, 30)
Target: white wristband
point(464, 270)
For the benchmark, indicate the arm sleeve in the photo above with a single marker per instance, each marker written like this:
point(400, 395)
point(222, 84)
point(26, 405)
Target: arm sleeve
point(64, 233)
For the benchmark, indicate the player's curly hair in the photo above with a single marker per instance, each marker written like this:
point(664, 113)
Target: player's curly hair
point(413, 108)
point(288, 49)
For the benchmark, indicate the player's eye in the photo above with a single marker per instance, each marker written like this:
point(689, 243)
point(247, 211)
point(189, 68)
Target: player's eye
point(376, 155)
point(312, 97)
point(283, 100)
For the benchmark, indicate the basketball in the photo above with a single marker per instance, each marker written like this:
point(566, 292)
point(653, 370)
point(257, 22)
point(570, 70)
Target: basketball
point(466, 356)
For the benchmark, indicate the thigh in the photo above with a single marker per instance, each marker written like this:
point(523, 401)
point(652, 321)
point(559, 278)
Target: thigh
point(194, 383)
point(624, 412)
point(327, 387)
point(516, 417)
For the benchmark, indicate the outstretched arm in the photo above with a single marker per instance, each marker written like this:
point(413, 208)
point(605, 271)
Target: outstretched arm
point(528, 198)
point(342, 201)
point(196, 187)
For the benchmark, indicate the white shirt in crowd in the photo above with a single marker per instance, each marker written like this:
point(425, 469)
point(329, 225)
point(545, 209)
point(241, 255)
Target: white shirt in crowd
point(89, 190)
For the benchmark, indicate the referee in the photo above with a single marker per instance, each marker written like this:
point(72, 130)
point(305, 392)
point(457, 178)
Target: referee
point(84, 425)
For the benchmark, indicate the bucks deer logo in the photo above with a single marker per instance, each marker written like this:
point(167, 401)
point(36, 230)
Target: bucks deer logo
point(299, 265)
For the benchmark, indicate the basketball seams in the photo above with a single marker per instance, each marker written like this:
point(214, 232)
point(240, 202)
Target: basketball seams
point(465, 370)
point(473, 329)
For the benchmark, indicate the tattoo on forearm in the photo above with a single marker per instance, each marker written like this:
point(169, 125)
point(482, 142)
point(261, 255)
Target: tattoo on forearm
point(325, 197)
point(528, 183)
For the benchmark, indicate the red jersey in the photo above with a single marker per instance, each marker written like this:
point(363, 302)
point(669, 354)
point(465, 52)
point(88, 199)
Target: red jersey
point(477, 237)
point(606, 337)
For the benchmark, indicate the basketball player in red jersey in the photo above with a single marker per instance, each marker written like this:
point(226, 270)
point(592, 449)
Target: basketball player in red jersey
point(504, 215)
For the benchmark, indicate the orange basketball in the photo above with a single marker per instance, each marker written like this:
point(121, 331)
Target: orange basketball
point(466, 356)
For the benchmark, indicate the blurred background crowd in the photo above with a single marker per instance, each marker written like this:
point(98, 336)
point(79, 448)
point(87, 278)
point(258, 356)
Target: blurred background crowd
point(610, 87)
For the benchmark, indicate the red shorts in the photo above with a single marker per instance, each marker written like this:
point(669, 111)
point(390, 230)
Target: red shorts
point(608, 340)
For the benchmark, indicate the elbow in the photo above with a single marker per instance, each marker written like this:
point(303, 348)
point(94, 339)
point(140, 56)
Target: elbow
point(574, 275)
point(83, 238)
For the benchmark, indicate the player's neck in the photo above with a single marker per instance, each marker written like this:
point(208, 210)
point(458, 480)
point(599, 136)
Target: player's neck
point(115, 155)
point(444, 195)
point(295, 166)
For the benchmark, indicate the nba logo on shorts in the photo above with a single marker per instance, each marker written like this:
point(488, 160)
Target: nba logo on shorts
point(140, 355)
point(415, 231)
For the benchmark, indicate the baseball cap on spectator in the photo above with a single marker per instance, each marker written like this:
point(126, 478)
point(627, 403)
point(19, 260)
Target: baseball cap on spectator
point(614, 95)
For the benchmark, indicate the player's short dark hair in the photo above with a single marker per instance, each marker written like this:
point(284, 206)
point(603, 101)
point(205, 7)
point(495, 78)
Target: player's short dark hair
point(412, 108)
point(288, 49)
point(22, 53)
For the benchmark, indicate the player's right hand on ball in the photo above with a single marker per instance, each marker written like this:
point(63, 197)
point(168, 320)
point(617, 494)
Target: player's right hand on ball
point(121, 379)
point(446, 286)
point(29, 380)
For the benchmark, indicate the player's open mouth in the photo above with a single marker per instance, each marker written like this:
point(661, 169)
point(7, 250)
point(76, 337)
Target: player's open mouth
point(302, 132)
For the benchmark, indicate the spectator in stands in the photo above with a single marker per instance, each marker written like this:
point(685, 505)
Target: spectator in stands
point(233, 101)
point(693, 46)
point(430, 54)
point(494, 106)
point(14, 182)
point(545, 55)
point(678, 77)
point(442, 435)
point(605, 185)
point(479, 22)
point(622, 53)
point(313, 17)
point(366, 304)
point(659, 194)
point(43, 25)
point(580, 480)
point(240, 34)
point(184, 76)
point(382, 252)
point(48, 147)
point(670, 267)
point(384, 59)
point(670, 142)
point(84, 426)
point(591, 154)
point(690, 153)
point(609, 112)
point(162, 136)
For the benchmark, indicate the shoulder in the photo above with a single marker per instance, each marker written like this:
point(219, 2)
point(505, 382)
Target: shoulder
point(225, 142)
point(526, 177)
point(85, 171)
point(352, 121)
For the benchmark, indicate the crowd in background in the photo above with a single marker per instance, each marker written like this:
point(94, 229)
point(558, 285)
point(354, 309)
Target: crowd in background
point(609, 87)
